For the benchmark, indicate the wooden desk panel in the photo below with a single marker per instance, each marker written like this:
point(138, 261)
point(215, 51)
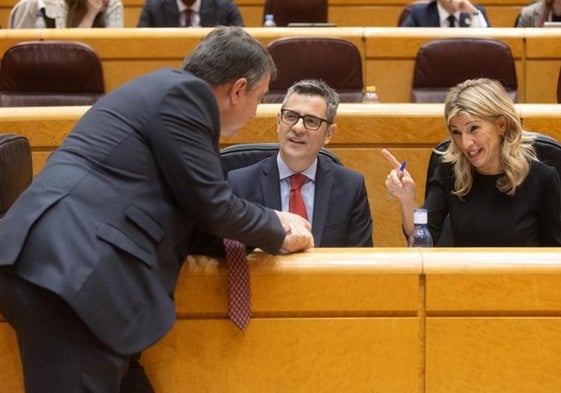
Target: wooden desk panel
point(10, 365)
point(493, 355)
point(359, 355)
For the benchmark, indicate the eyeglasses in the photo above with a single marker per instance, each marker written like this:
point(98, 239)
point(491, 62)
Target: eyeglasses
point(312, 123)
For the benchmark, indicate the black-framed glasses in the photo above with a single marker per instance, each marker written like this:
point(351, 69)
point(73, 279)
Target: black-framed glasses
point(312, 123)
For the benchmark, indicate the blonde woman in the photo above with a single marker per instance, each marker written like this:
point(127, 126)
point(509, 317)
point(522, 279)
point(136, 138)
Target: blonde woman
point(490, 182)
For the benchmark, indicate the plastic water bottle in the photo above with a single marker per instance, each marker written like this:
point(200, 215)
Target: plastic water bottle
point(420, 237)
point(370, 96)
point(269, 21)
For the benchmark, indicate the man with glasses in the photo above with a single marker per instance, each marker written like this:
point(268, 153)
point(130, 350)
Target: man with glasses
point(335, 198)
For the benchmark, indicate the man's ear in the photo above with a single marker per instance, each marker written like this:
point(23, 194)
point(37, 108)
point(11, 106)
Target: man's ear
point(331, 130)
point(239, 87)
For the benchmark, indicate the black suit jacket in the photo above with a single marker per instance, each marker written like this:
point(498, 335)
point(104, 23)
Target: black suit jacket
point(164, 13)
point(341, 210)
point(108, 222)
point(426, 15)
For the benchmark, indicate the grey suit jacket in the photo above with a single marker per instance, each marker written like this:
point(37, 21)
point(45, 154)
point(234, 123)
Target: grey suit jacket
point(108, 222)
point(341, 210)
point(530, 15)
point(164, 13)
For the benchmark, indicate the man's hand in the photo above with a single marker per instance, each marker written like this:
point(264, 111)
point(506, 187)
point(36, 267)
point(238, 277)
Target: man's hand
point(298, 235)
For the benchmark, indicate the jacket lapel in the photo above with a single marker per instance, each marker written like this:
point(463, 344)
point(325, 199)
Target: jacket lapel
point(270, 184)
point(324, 186)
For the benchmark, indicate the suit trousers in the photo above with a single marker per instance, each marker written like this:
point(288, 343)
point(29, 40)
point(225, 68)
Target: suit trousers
point(58, 351)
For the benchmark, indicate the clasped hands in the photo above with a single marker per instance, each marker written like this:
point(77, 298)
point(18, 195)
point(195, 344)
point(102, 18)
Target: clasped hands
point(298, 232)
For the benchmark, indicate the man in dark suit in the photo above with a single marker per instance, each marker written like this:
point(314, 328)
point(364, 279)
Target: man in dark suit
point(189, 13)
point(335, 197)
point(91, 251)
point(446, 13)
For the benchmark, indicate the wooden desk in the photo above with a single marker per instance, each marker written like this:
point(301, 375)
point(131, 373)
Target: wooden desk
point(388, 53)
point(362, 320)
point(410, 131)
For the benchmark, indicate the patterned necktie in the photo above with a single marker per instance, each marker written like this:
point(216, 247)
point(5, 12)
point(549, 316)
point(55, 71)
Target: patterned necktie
point(296, 202)
point(239, 304)
point(451, 21)
point(188, 13)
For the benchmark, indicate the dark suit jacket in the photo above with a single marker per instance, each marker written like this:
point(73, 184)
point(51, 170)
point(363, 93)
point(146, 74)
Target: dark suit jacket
point(108, 222)
point(341, 210)
point(164, 13)
point(426, 15)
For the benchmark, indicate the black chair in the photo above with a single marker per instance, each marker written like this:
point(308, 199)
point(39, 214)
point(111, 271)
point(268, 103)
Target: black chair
point(548, 151)
point(245, 154)
point(50, 73)
point(300, 58)
point(296, 11)
point(15, 168)
point(443, 63)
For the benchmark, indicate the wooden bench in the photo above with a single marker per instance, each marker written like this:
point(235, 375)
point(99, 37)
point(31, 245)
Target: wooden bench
point(388, 53)
point(410, 131)
point(362, 320)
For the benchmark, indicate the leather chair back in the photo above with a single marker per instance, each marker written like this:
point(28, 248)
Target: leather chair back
point(296, 11)
point(548, 150)
point(50, 73)
point(246, 154)
point(445, 62)
point(15, 168)
point(333, 60)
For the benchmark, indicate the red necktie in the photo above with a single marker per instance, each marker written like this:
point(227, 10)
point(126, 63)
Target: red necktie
point(295, 202)
point(188, 13)
point(239, 307)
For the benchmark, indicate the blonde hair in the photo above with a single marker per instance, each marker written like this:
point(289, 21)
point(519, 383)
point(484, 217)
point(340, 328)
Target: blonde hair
point(488, 100)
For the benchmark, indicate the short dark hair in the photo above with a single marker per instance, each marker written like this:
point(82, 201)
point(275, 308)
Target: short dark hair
point(316, 87)
point(228, 53)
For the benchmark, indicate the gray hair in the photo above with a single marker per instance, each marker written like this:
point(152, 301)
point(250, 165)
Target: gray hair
point(228, 53)
point(316, 87)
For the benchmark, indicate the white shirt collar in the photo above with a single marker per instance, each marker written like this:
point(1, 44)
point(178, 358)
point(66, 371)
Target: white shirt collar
point(443, 15)
point(285, 171)
point(196, 6)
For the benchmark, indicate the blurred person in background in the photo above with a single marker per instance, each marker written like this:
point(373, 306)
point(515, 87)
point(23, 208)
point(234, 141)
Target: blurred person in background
point(189, 13)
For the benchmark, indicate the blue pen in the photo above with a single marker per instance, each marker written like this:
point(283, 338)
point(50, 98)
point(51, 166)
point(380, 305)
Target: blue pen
point(401, 169)
point(400, 174)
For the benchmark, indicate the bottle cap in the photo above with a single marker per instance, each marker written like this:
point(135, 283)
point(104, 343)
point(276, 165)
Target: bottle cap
point(269, 17)
point(420, 216)
point(371, 88)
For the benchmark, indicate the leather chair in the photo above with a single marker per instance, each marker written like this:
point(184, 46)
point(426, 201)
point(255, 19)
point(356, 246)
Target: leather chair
point(50, 73)
point(443, 63)
point(246, 154)
point(296, 11)
point(15, 168)
point(548, 150)
point(407, 9)
point(334, 60)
